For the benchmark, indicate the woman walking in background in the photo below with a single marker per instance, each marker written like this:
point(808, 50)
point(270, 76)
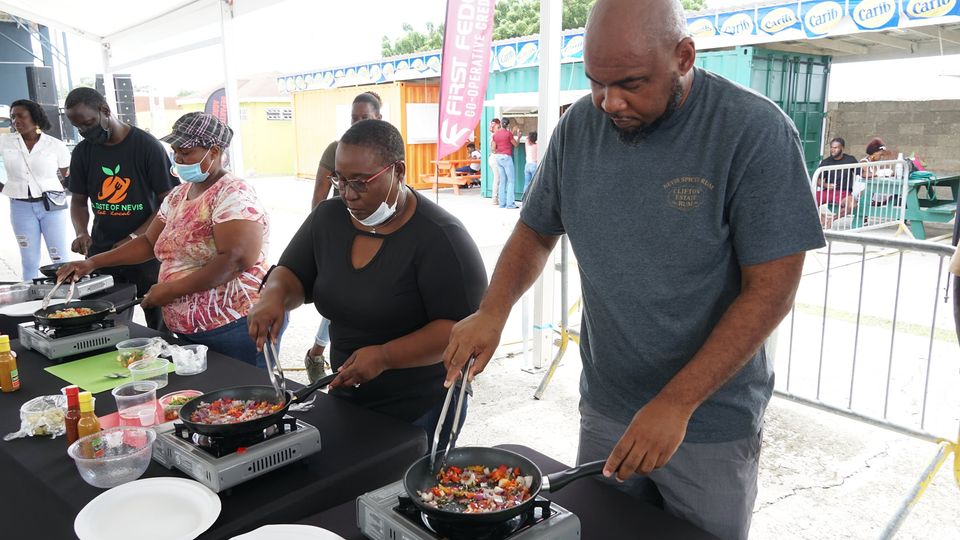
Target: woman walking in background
point(32, 160)
point(533, 158)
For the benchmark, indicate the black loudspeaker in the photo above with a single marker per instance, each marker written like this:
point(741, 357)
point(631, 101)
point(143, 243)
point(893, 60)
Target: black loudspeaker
point(123, 90)
point(40, 85)
point(56, 126)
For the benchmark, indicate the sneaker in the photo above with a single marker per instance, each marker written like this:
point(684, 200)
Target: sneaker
point(511, 207)
point(496, 202)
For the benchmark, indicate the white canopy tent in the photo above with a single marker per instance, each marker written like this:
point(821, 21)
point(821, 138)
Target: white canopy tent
point(130, 34)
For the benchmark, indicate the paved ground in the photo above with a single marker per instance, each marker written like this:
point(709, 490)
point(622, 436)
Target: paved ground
point(822, 476)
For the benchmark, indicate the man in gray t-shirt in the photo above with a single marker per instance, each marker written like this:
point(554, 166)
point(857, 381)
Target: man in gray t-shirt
point(687, 203)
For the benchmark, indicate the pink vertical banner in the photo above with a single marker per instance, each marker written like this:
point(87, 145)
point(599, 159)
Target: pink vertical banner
point(464, 72)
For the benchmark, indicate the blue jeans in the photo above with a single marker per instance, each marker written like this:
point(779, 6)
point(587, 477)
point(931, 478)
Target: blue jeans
point(508, 179)
point(30, 221)
point(429, 421)
point(323, 333)
point(528, 171)
point(233, 340)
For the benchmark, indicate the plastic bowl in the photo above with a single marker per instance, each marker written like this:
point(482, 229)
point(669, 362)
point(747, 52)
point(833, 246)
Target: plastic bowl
point(172, 411)
point(136, 349)
point(189, 359)
point(125, 455)
point(150, 369)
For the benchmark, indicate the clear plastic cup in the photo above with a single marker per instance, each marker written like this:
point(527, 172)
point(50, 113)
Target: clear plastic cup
point(135, 399)
point(150, 369)
point(189, 359)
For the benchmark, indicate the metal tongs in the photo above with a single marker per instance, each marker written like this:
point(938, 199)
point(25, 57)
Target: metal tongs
point(277, 379)
point(455, 429)
point(73, 286)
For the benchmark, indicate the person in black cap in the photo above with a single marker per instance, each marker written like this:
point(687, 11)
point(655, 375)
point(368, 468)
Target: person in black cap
point(210, 236)
point(124, 173)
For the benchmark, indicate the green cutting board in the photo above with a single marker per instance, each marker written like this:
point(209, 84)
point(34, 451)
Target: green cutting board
point(90, 374)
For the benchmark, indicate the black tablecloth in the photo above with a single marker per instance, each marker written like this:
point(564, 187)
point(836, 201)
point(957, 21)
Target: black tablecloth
point(604, 511)
point(118, 293)
point(361, 450)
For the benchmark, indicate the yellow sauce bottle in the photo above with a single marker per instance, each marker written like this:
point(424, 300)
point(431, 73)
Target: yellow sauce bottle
point(9, 376)
point(89, 425)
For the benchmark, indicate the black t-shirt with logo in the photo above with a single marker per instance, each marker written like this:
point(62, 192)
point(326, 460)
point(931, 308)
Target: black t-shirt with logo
point(123, 182)
point(843, 179)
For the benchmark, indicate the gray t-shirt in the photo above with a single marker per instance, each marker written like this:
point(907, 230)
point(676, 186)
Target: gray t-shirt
point(660, 230)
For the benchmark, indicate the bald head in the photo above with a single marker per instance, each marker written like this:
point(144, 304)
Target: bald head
point(638, 24)
point(638, 58)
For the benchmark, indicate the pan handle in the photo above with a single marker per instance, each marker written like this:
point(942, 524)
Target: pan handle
point(304, 392)
point(555, 481)
point(123, 306)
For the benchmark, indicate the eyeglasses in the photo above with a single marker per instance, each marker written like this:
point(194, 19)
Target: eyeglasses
point(358, 184)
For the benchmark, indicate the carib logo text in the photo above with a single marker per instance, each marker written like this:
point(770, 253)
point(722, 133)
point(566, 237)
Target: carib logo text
point(823, 17)
point(778, 20)
point(929, 8)
point(874, 13)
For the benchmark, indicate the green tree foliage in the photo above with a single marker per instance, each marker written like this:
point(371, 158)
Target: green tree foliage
point(513, 18)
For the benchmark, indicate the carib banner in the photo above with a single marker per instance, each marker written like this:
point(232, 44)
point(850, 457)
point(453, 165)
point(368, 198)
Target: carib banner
point(773, 20)
point(738, 23)
point(820, 17)
point(466, 68)
point(874, 14)
point(702, 26)
point(919, 10)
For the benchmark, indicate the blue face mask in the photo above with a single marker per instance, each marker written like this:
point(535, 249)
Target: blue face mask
point(191, 173)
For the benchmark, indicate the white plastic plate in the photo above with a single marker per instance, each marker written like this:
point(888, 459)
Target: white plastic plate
point(289, 532)
point(24, 309)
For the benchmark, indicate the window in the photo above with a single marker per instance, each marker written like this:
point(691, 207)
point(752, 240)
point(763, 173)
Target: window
point(243, 113)
point(279, 113)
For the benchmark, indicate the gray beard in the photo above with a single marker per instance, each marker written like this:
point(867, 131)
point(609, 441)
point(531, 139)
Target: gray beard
point(639, 134)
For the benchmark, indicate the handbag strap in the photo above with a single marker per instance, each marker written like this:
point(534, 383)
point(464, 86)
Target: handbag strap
point(23, 155)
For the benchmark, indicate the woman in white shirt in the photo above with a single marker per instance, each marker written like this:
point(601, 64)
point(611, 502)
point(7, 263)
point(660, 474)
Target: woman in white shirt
point(32, 160)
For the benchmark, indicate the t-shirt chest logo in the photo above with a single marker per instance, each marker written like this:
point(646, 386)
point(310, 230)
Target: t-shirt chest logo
point(114, 188)
point(686, 193)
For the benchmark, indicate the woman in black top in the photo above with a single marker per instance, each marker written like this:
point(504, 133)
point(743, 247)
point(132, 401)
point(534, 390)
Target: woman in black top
point(392, 271)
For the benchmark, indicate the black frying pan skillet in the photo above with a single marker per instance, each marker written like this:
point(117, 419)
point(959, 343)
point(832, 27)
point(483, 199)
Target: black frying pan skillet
point(50, 270)
point(101, 310)
point(419, 477)
point(258, 393)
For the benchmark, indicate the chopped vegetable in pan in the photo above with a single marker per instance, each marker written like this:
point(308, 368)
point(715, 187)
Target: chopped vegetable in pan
point(71, 312)
point(477, 489)
point(232, 411)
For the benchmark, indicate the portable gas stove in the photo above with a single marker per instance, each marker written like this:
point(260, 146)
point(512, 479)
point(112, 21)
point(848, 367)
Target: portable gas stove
point(388, 514)
point(61, 344)
point(223, 462)
point(86, 285)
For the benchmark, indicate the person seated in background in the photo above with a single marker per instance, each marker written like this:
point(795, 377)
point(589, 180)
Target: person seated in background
point(877, 151)
point(472, 168)
point(835, 188)
point(391, 270)
point(210, 236)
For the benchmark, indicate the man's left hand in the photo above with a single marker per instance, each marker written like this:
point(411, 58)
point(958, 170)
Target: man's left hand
point(363, 365)
point(159, 295)
point(653, 436)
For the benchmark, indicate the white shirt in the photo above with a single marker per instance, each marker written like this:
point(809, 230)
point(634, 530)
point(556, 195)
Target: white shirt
point(48, 155)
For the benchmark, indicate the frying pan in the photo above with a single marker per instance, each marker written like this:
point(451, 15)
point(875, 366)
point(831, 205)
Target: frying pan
point(50, 270)
point(259, 393)
point(419, 477)
point(101, 309)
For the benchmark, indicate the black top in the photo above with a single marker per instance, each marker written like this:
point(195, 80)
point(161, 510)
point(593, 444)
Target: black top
point(429, 269)
point(842, 179)
point(123, 182)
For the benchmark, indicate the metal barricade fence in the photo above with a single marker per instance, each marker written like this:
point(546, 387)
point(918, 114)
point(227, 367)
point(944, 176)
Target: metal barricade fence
point(861, 196)
point(865, 342)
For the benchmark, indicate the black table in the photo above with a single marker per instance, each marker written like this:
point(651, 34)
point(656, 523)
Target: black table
point(121, 292)
point(360, 451)
point(604, 511)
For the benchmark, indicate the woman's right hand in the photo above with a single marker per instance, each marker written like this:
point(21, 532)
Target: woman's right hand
point(265, 317)
point(77, 269)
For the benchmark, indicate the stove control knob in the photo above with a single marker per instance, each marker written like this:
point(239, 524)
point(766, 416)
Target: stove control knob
point(241, 450)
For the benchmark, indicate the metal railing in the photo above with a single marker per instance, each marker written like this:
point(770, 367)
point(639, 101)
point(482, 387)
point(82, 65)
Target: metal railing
point(861, 196)
point(857, 354)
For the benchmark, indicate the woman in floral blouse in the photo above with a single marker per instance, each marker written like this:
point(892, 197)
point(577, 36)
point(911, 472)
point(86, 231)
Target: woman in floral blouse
point(210, 235)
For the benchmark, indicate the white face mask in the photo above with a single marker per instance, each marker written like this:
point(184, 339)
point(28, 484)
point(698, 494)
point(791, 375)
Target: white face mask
point(382, 213)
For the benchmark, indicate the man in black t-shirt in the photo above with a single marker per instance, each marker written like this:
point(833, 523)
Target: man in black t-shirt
point(836, 187)
point(125, 173)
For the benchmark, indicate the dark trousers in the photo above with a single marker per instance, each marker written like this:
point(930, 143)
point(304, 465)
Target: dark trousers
point(143, 276)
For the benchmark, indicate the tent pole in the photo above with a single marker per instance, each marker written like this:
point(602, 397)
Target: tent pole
point(230, 85)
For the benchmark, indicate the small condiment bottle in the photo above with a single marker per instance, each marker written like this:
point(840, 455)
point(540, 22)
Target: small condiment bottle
point(73, 413)
point(89, 425)
point(9, 376)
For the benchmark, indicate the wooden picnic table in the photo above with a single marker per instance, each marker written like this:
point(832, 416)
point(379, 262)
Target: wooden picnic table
point(448, 174)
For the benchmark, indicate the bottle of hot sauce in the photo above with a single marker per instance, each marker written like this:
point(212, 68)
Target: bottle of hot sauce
point(89, 425)
point(73, 413)
point(9, 376)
